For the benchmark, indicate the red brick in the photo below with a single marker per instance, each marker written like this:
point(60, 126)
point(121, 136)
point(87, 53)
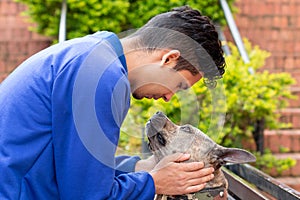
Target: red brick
point(20, 34)
point(21, 7)
point(3, 76)
point(36, 46)
point(21, 22)
point(297, 7)
point(17, 48)
point(274, 140)
point(280, 21)
point(287, 9)
point(38, 37)
point(2, 67)
point(11, 65)
point(2, 20)
point(4, 34)
point(289, 61)
point(3, 49)
point(269, 63)
point(297, 61)
point(8, 8)
point(268, 8)
point(298, 22)
point(277, 9)
point(297, 48)
point(295, 146)
point(287, 34)
point(243, 22)
point(272, 35)
point(279, 61)
point(258, 9)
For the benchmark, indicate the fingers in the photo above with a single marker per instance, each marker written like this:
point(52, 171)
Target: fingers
point(191, 185)
point(172, 160)
point(197, 177)
point(194, 188)
point(181, 178)
point(199, 180)
point(194, 185)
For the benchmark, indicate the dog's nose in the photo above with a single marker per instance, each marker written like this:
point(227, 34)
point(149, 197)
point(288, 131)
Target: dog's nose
point(159, 116)
point(159, 113)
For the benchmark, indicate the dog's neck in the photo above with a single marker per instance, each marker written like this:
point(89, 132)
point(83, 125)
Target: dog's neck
point(219, 180)
point(216, 189)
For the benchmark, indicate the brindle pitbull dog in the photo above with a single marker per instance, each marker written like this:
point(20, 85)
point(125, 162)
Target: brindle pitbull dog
point(166, 138)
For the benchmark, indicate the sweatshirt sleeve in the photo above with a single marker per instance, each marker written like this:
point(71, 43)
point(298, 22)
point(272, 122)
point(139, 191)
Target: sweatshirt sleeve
point(89, 107)
point(125, 164)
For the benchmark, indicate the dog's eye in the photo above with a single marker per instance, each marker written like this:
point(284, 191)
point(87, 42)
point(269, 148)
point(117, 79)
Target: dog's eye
point(186, 128)
point(161, 139)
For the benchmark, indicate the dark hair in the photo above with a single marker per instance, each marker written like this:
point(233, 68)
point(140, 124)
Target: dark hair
point(200, 51)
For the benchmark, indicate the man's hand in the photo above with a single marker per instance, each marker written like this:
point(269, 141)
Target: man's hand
point(145, 165)
point(171, 177)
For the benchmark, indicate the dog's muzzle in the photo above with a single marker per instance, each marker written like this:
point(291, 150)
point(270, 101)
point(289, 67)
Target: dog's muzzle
point(155, 124)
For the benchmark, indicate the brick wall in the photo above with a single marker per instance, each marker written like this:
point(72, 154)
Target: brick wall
point(16, 42)
point(274, 25)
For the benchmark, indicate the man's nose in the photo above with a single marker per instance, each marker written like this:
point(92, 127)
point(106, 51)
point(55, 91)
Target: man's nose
point(168, 96)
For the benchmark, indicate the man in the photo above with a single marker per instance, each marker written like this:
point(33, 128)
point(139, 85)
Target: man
point(61, 111)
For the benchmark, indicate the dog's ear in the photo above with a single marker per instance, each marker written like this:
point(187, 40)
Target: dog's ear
point(234, 156)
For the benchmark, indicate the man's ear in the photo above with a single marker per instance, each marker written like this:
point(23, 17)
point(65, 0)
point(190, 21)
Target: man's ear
point(170, 57)
point(234, 156)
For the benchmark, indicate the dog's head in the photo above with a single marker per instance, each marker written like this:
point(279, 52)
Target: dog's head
point(166, 138)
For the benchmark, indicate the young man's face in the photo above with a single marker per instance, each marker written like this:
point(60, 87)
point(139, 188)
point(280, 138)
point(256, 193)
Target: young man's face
point(164, 83)
point(154, 76)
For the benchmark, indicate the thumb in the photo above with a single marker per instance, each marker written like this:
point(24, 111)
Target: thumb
point(173, 158)
point(178, 157)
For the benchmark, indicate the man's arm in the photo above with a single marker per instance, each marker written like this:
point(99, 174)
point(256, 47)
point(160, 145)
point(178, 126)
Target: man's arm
point(87, 130)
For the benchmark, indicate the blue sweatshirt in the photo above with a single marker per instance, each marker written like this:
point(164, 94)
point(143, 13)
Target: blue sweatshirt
point(60, 117)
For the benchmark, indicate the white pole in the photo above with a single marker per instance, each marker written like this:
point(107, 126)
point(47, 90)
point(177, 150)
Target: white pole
point(235, 33)
point(62, 24)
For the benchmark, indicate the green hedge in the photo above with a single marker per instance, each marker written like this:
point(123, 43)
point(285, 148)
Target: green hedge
point(88, 16)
